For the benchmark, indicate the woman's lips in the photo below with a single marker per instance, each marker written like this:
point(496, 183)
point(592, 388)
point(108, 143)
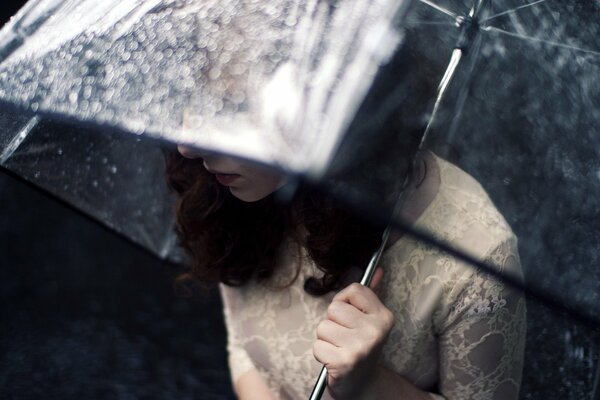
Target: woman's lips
point(226, 179)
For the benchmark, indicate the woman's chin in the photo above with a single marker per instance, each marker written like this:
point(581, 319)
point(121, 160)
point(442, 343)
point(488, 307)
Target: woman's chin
point(247, 196)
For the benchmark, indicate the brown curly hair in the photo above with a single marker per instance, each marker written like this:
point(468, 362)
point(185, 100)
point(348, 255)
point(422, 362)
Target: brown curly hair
point(232, 242)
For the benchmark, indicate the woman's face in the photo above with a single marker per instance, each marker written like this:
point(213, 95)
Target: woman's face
point(246, 181)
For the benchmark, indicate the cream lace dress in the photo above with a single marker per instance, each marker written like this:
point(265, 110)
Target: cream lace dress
point(458, 333)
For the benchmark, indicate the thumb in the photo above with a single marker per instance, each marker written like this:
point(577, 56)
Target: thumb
point(376, 280)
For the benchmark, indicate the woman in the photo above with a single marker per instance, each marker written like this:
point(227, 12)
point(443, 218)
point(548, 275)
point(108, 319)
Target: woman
point(429, 327)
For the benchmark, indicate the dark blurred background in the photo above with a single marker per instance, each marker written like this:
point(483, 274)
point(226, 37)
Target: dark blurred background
point(85, 314)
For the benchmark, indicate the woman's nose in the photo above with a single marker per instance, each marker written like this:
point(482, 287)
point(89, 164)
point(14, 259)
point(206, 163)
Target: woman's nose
point(189, 152)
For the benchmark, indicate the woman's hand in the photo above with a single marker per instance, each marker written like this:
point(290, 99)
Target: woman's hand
point(350, 339)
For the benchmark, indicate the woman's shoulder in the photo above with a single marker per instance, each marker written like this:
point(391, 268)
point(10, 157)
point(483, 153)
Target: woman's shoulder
point(463, 214)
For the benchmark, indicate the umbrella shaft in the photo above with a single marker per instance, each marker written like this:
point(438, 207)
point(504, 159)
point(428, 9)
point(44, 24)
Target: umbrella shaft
point(321, 382)
point(320, 385)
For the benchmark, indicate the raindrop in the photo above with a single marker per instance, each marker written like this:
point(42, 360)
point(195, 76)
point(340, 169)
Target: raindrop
point(37, 174)
point(95, 183)
point(237, 69)
point(113, 169)
point(238, 97)
point(291, 20)
point(87, 92)
point(225, 58)
point(60, 151)
point(35, 106)
point(73, 97)
point(214, 73)
point(104, 160)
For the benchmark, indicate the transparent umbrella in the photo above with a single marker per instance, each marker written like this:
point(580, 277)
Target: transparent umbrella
point(232, 77)
point(305, 87)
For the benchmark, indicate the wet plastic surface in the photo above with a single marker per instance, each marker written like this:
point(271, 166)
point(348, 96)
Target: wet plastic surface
point(520, 111)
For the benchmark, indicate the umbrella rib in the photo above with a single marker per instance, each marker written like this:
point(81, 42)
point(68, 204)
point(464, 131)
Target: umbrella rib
point(416, 22)
point(513, 10)
point(439, 8)
point(18, 139)
point(534, 39)
point(457, 55)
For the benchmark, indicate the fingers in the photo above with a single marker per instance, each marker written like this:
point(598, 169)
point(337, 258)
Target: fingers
point(334, 333)
point(328, 354)
point(344, 314)
point(360, 297)
point(376, 280)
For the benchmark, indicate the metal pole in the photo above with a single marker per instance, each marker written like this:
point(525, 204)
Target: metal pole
point(321, 383)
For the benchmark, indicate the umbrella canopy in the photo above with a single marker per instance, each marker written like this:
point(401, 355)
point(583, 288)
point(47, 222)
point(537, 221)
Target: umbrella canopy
point(307, 87)
point(304, 86)
point(238, 77)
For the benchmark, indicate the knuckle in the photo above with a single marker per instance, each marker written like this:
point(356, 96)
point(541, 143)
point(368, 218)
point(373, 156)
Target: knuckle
point(351, 290)
point(348, 360)
point(356, 287)
point(388, 318)
point(318, 347)
point(321, 329)
point(333, 309)
point(317, 351)
point(372, 333)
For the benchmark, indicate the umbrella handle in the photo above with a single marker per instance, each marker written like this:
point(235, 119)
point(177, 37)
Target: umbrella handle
point(320, 385)
point(321, 382)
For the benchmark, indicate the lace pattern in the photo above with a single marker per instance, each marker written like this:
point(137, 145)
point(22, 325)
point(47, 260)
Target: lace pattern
point(459, 334)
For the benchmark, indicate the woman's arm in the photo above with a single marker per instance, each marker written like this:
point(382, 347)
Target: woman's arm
point(480, 345)
point(389, 385)
point(251, 386)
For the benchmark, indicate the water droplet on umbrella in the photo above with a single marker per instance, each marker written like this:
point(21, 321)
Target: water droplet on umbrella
point(214, 73)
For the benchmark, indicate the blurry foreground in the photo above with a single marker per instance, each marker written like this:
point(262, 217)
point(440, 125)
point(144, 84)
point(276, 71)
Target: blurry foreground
point(85, 315)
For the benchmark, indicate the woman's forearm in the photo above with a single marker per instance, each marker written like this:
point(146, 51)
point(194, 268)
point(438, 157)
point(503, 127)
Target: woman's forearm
point(251, 386)
point(385, 384)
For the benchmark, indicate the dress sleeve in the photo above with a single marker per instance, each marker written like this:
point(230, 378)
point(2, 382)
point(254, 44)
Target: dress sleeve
point(239, 361)
point(482, 343)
